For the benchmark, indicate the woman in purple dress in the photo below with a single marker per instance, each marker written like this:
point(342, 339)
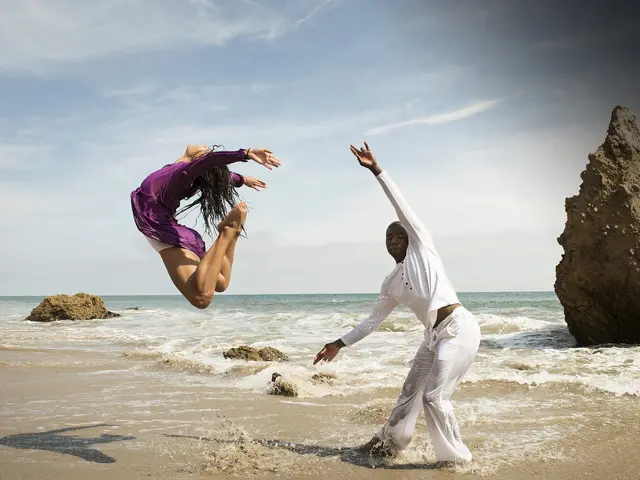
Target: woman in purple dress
point(197, 273)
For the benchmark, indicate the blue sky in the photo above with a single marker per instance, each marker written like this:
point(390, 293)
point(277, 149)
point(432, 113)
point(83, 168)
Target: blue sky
point(483, 112)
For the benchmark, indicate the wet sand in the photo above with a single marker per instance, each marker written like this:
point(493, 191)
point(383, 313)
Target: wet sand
point(76, 415)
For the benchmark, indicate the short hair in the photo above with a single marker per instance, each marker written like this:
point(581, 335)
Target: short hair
point(398, 224)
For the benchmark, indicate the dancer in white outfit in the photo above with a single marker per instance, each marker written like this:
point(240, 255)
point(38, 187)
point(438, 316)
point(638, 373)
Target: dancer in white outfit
point(452, 334)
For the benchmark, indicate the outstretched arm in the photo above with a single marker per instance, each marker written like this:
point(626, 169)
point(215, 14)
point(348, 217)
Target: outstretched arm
point(408, 218)
point(406, 215)
point(252, 182)
point(184, 172)
point(382, 310)
point(197, 159)
point(187, 171)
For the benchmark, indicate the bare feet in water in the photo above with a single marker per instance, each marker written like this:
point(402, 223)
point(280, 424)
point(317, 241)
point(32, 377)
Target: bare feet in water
point(235, 218)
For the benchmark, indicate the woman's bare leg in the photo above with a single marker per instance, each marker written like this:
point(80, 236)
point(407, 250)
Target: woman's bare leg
point(224, 277)
point(196, 278)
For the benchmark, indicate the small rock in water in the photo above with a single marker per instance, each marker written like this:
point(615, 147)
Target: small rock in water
point(243, 353)
point(267, 354)
point(324, 377)
point(521, 366)
point(132, 308)
point(279, 386)
point(270, 354)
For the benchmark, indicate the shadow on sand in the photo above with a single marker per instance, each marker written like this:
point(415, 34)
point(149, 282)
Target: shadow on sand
point(52, 441)
point(346, 454)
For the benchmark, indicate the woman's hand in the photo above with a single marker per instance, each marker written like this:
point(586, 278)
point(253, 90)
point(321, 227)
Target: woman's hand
point(264, 157)
point(366, 158)
point(329, 351)
point(253, 182)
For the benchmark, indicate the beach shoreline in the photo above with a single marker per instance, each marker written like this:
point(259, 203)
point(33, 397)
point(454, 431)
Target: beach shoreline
point(135, 420)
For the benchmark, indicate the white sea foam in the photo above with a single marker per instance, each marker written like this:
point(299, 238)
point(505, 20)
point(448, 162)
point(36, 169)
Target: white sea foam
point(525, 343)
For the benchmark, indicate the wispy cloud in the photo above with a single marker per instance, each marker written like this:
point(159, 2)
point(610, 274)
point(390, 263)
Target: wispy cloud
point(315, 11)
point(440, 118)
point(37, 34)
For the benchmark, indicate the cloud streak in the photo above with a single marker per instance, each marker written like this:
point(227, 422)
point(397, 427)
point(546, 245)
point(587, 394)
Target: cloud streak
point(322, 6)
point(440, 118)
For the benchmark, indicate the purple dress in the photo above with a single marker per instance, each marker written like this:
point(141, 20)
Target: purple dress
point(156, 200)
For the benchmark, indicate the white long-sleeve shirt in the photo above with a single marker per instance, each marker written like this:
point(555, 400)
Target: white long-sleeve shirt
point(419, 281)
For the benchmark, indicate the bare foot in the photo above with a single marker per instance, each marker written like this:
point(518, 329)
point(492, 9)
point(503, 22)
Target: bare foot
point(235, 218)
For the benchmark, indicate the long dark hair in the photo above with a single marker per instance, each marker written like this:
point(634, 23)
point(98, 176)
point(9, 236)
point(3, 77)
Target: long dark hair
point(217, 194)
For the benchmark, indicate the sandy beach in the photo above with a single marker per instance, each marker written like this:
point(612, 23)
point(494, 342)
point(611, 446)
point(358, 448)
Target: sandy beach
point(75, 415)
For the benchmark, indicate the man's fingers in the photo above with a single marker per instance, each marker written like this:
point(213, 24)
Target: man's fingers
point(367, 146)
point(319, 356)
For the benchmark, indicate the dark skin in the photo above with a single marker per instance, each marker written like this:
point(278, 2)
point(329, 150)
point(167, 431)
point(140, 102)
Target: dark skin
point(397, 241)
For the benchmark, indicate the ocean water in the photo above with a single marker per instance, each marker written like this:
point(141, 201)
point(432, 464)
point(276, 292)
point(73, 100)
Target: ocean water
point(524, 341)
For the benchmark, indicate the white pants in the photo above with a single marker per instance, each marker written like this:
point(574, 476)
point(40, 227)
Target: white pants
point(438, 367)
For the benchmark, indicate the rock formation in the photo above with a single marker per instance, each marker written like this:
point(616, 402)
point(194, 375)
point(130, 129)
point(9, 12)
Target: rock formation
point(266, 354)
point(598, 277)
point(80, 306)
point(270, 354)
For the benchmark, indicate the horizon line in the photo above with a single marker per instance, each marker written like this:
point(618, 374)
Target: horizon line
point(262, 294)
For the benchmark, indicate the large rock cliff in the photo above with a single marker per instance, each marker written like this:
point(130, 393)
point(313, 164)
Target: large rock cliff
point(598, 277)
